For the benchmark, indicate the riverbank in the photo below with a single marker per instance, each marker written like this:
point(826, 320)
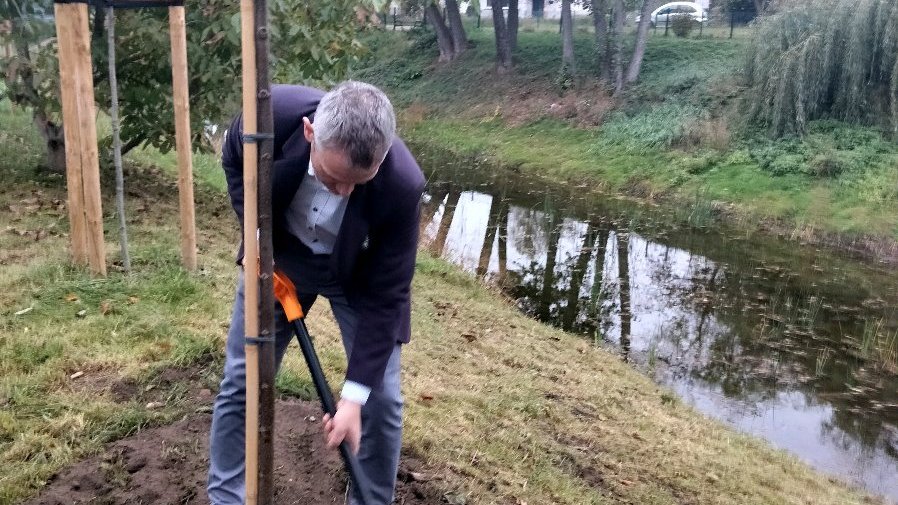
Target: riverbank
point(500, 408)
point(680, 138)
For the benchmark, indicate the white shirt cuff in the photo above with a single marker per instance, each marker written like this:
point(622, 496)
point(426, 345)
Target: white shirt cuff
point(355, 392)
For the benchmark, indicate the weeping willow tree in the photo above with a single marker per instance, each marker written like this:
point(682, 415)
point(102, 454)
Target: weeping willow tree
point(835, 59)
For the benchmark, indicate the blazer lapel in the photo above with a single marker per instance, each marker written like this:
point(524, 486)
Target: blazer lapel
point(353, 234)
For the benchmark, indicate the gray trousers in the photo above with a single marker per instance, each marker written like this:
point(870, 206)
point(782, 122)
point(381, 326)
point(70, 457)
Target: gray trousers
point(381, 415)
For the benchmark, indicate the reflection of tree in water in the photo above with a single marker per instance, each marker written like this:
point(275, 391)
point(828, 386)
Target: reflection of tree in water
point(498, 216)
point(623, 279)
point(752, 327)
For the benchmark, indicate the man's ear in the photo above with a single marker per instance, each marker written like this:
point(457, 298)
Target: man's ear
point(307, 130)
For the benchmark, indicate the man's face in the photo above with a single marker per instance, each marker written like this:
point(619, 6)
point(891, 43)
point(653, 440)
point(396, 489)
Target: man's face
point(333, 168)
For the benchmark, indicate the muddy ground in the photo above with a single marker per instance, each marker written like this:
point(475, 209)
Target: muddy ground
point(167, 466)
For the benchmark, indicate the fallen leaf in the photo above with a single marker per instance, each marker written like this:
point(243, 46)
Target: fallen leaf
point(71, 297)
point(24, 311)
point(106, 307)
point(155, 405)
point(76, 375)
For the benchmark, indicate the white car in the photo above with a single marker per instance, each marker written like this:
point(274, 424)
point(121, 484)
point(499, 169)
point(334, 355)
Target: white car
point(664, 14)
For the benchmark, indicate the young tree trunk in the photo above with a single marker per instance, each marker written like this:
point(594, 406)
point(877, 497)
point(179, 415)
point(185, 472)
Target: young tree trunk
point(457, 30)
point(567, 39)
point(117, 142)
point(503, 49)
point(642, 32)
point(617, 36)
point(600, 23)
point(513, 22)
point(444, 37)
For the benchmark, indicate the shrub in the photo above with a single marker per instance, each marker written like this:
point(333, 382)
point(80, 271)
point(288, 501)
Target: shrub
point(682, 25)
point(830, 149)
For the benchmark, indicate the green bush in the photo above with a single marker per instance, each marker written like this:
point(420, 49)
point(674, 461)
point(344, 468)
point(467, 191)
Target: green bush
point(682, 25)
point(830, 149)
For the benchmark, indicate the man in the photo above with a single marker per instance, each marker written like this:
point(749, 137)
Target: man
point(345, 205)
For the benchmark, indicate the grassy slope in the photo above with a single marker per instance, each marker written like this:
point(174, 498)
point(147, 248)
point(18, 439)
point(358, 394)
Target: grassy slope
point(504, 409)
point(676, 135)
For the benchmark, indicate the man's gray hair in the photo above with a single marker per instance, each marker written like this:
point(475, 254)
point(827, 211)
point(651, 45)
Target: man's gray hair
point(358, 119)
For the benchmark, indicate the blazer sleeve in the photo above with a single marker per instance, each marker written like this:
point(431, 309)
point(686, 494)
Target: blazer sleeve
point(384, 300)
point(232, 162)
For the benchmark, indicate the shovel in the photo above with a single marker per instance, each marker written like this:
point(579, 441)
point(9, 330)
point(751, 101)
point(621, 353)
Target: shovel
point(285, 292)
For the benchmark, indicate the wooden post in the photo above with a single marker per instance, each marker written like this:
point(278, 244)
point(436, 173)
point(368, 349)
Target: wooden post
point(267, 365)
point(182, 134)
point(250, 251)
point(82, 158)
point(65, 15)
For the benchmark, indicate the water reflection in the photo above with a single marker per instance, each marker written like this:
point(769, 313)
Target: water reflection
point(789, 345)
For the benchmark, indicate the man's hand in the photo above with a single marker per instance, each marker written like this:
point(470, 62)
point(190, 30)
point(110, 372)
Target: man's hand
point(345, 425)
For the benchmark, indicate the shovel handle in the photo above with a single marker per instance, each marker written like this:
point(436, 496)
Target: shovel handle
point(285, 292)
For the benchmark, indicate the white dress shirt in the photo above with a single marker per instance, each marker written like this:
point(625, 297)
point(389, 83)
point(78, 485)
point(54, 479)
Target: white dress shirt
point(315, 216)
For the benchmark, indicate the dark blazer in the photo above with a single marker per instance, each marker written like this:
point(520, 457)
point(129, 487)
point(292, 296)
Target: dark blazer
point(374, 255)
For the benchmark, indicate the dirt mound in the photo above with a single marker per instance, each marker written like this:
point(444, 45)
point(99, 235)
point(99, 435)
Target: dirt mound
point(167, 465)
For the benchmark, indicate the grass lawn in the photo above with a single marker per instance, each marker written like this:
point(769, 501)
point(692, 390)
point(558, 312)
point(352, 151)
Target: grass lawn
point(504, 409)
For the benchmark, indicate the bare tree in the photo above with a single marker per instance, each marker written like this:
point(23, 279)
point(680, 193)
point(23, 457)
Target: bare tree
point(642, 32)
point(568, 65)
point(600, 23)
point(503, 47)
point(459, 37)
point(617, 38)
point(444, 36)
point(513, 22)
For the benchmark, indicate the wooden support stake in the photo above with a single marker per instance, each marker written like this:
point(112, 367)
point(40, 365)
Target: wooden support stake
point(250, 251)
point(183, 146)
point(90, 158)
point(76, 34)
point(65, 15)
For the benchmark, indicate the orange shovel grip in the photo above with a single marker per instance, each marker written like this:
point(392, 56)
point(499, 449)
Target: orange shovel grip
point(285, 292)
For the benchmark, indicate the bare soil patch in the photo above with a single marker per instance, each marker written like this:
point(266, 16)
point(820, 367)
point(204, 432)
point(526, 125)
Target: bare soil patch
point(167, 465)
